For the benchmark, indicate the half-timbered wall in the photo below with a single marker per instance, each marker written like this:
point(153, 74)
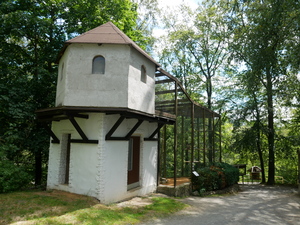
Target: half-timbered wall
point(100, 170)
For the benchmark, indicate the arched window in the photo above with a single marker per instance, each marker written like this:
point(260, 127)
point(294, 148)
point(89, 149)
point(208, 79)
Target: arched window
point(98, 65)
point(143, 74)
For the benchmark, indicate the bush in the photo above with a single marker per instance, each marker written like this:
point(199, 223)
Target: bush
point(215, 177)
point(12, 177)
point(231, 173)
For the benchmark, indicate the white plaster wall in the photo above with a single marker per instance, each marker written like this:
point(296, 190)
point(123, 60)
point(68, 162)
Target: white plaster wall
point(53, 166)
point(84, 158)
point(115, 162)
point(82, 88)
point(120, 86)
point(150, 167)
point(114, 175)
point(100, 170)
point(61, 79)
point(141, 96)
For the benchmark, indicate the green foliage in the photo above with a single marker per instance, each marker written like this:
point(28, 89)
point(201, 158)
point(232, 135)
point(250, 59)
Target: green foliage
point(32, 34)
point(215, 177)
point(196, 49)
point(262, 35)
point(12, 177)
point(231, 173)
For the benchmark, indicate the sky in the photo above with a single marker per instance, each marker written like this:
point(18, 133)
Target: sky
point(170, 5)
point(174, 3)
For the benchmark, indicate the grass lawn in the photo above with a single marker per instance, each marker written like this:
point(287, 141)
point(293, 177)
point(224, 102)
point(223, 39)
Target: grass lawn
point(57, 207)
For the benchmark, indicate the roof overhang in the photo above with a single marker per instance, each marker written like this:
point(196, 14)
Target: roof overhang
point(182, 104)
point(72, 112)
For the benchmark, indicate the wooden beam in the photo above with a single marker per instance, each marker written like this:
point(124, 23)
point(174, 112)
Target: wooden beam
point(83, 116)
point(117, 139)
point(160, 74)
point(63, 116)
point(136, 126)
point(182, 145)
point(164, 102)
point(164, 81)
point(168, 91)
point(84, 141)
point(77, 127)
point(114, 128)
point(193, 137)
point(204, 138)
point(165, 151)
point(172, 101)
point(151, 137)
point(50, 132)
point(175, 135)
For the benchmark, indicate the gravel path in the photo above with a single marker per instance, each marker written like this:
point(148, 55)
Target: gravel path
point(255, 204)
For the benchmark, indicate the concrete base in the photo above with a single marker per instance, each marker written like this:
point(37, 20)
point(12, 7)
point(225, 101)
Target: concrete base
point(181, 190)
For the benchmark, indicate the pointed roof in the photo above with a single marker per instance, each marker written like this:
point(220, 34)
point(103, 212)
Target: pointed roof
point(108, 33)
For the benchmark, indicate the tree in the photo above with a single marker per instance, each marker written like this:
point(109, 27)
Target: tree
point(263, 32)
point(198, 51)
point(252, 113)
point(147, 19)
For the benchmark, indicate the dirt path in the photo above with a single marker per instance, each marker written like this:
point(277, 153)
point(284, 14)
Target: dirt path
point(255, 204)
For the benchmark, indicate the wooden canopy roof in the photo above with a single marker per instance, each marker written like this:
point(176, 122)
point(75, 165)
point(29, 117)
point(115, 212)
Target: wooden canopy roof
point(171, 98)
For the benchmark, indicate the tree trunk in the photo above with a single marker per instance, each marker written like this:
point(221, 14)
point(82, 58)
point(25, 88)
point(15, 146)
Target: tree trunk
point(299, 171)
point(271, 132)
point(258, 140)
point(210, 140)
point(258, 144)
point(38, 168)
point(210, 124)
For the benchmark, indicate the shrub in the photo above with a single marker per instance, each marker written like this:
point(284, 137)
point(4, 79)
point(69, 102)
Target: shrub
point(231, 173)
point(12, 177)
point(215, 177)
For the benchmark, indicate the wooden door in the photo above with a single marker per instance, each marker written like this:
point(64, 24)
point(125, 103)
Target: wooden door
point(134, 162)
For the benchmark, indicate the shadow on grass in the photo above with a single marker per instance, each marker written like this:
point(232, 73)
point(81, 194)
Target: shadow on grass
point(58, 207)
point(28, 205)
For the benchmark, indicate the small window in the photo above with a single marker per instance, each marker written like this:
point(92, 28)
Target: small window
point(98, 65)
point(143, 74)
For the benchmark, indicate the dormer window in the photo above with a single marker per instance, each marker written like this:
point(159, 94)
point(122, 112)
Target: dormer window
point(143, 74)
point(98, 65)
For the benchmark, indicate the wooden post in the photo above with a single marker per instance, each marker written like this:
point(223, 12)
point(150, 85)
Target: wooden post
point(193, 136)
point(213, 139)
point(165, 151)
point(198, 139)
point(175, 134)
point(220, 135)
point(204, 138)
point(182, 145)
point(158, 159)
